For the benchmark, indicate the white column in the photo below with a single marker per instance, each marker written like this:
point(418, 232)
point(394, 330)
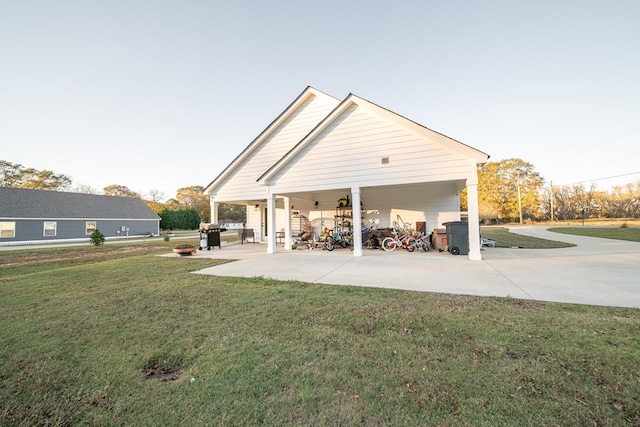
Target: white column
point(474, 220)
point(357, 227)
point(271, 224)
point(214, 211)
point(287, 224)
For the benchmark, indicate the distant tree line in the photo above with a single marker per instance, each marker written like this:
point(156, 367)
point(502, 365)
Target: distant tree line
point(187, 210)
point(512, 191)
point(574, 201)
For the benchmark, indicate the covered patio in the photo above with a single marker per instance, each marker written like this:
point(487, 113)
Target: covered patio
point(384, 164)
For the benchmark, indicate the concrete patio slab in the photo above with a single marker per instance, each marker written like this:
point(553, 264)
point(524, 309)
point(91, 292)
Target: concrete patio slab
point(596, 272)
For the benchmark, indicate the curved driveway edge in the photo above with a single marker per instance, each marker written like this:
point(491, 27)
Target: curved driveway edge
point(595, 272)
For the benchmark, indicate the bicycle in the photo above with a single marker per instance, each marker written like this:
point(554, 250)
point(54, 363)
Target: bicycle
point(370, 236)
point(401, 238)
point(422, 242)
point(338, 238)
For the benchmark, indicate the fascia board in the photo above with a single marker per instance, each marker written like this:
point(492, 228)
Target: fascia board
point(291, 154)
point(308, 92)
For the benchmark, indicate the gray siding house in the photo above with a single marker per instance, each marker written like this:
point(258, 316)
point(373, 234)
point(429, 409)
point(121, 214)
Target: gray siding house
point(38, 216)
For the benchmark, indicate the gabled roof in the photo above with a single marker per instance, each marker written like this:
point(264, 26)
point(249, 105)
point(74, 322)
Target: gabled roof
point(351, 100)
point(301, 99)
point(21, 203)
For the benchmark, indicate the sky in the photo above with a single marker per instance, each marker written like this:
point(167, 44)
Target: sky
point(159, 95)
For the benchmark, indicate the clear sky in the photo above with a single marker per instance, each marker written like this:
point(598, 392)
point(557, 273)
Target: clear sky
point(164, 94)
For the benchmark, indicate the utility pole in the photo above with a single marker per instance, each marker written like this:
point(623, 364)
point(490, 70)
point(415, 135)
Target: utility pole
point(551, 201)
point(519, 199)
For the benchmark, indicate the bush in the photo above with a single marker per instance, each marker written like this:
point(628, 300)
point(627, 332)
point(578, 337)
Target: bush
point(181, 219)
point(97, 238)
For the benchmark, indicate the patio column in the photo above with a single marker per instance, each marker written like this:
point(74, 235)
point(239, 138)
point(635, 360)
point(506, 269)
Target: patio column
point(271, 224)
point(214, 211)
point(287, 224)
point(357, 226)
point(474, 219)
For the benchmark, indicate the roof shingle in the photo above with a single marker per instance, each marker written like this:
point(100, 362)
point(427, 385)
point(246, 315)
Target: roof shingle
point(26, 203)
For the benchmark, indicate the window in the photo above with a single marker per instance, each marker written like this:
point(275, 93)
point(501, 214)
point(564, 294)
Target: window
point(7, 229)
point(50, 228)
point(90, 227)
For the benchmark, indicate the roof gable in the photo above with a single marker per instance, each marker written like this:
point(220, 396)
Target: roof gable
point(385, 129)
point(40, 204)
point(256, 149)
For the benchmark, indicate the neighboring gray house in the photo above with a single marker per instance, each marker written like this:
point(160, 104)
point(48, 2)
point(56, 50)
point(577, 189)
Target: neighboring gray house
point(37, 216)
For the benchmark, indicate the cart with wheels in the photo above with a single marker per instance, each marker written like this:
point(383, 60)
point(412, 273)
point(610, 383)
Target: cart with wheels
point(210, 237)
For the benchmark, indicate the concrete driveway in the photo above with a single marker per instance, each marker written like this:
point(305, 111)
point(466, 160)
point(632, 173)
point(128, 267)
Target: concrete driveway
point(596, 272)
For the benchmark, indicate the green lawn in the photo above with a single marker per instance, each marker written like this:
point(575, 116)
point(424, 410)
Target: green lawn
point(113, 336)
point(618, 233)
point(505, 239)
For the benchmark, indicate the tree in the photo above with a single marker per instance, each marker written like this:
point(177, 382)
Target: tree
point(185, 218)
point(15, 175)
point(85, 189)
point(235, 212)
point(172, 204)
point(153, 199)
point(119, 190)
point(623, 202)
point(508, 187)
point(9, 174)
point(194, 197)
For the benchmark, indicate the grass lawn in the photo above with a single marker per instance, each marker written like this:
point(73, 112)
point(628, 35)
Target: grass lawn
point(115, 335)
point(505, 239)
point(618, 233)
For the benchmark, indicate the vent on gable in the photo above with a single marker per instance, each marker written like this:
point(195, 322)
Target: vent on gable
point(385, 160)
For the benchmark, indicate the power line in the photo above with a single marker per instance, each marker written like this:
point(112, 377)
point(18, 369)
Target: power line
point(602, 179)
point(612, 139)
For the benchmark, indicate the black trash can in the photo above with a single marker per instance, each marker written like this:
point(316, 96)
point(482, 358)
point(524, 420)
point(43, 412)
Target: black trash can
point(457, 237)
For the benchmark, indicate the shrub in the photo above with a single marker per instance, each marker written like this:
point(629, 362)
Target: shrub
point(97, 238)
point(186, 219)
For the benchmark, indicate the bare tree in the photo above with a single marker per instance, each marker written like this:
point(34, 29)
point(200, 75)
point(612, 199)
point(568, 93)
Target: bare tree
point(622, 202)
point(86, 189)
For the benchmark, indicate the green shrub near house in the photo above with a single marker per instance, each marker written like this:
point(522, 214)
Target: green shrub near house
point(97, 238)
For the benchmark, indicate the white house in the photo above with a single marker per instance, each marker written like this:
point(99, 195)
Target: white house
point(321, 149)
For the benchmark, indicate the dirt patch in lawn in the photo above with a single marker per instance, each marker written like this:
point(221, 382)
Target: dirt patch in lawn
point(162, 373)
point(63, 254)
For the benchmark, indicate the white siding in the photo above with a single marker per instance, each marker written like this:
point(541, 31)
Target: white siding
point(350, 152)
point(241, 184)
point(255, 220)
